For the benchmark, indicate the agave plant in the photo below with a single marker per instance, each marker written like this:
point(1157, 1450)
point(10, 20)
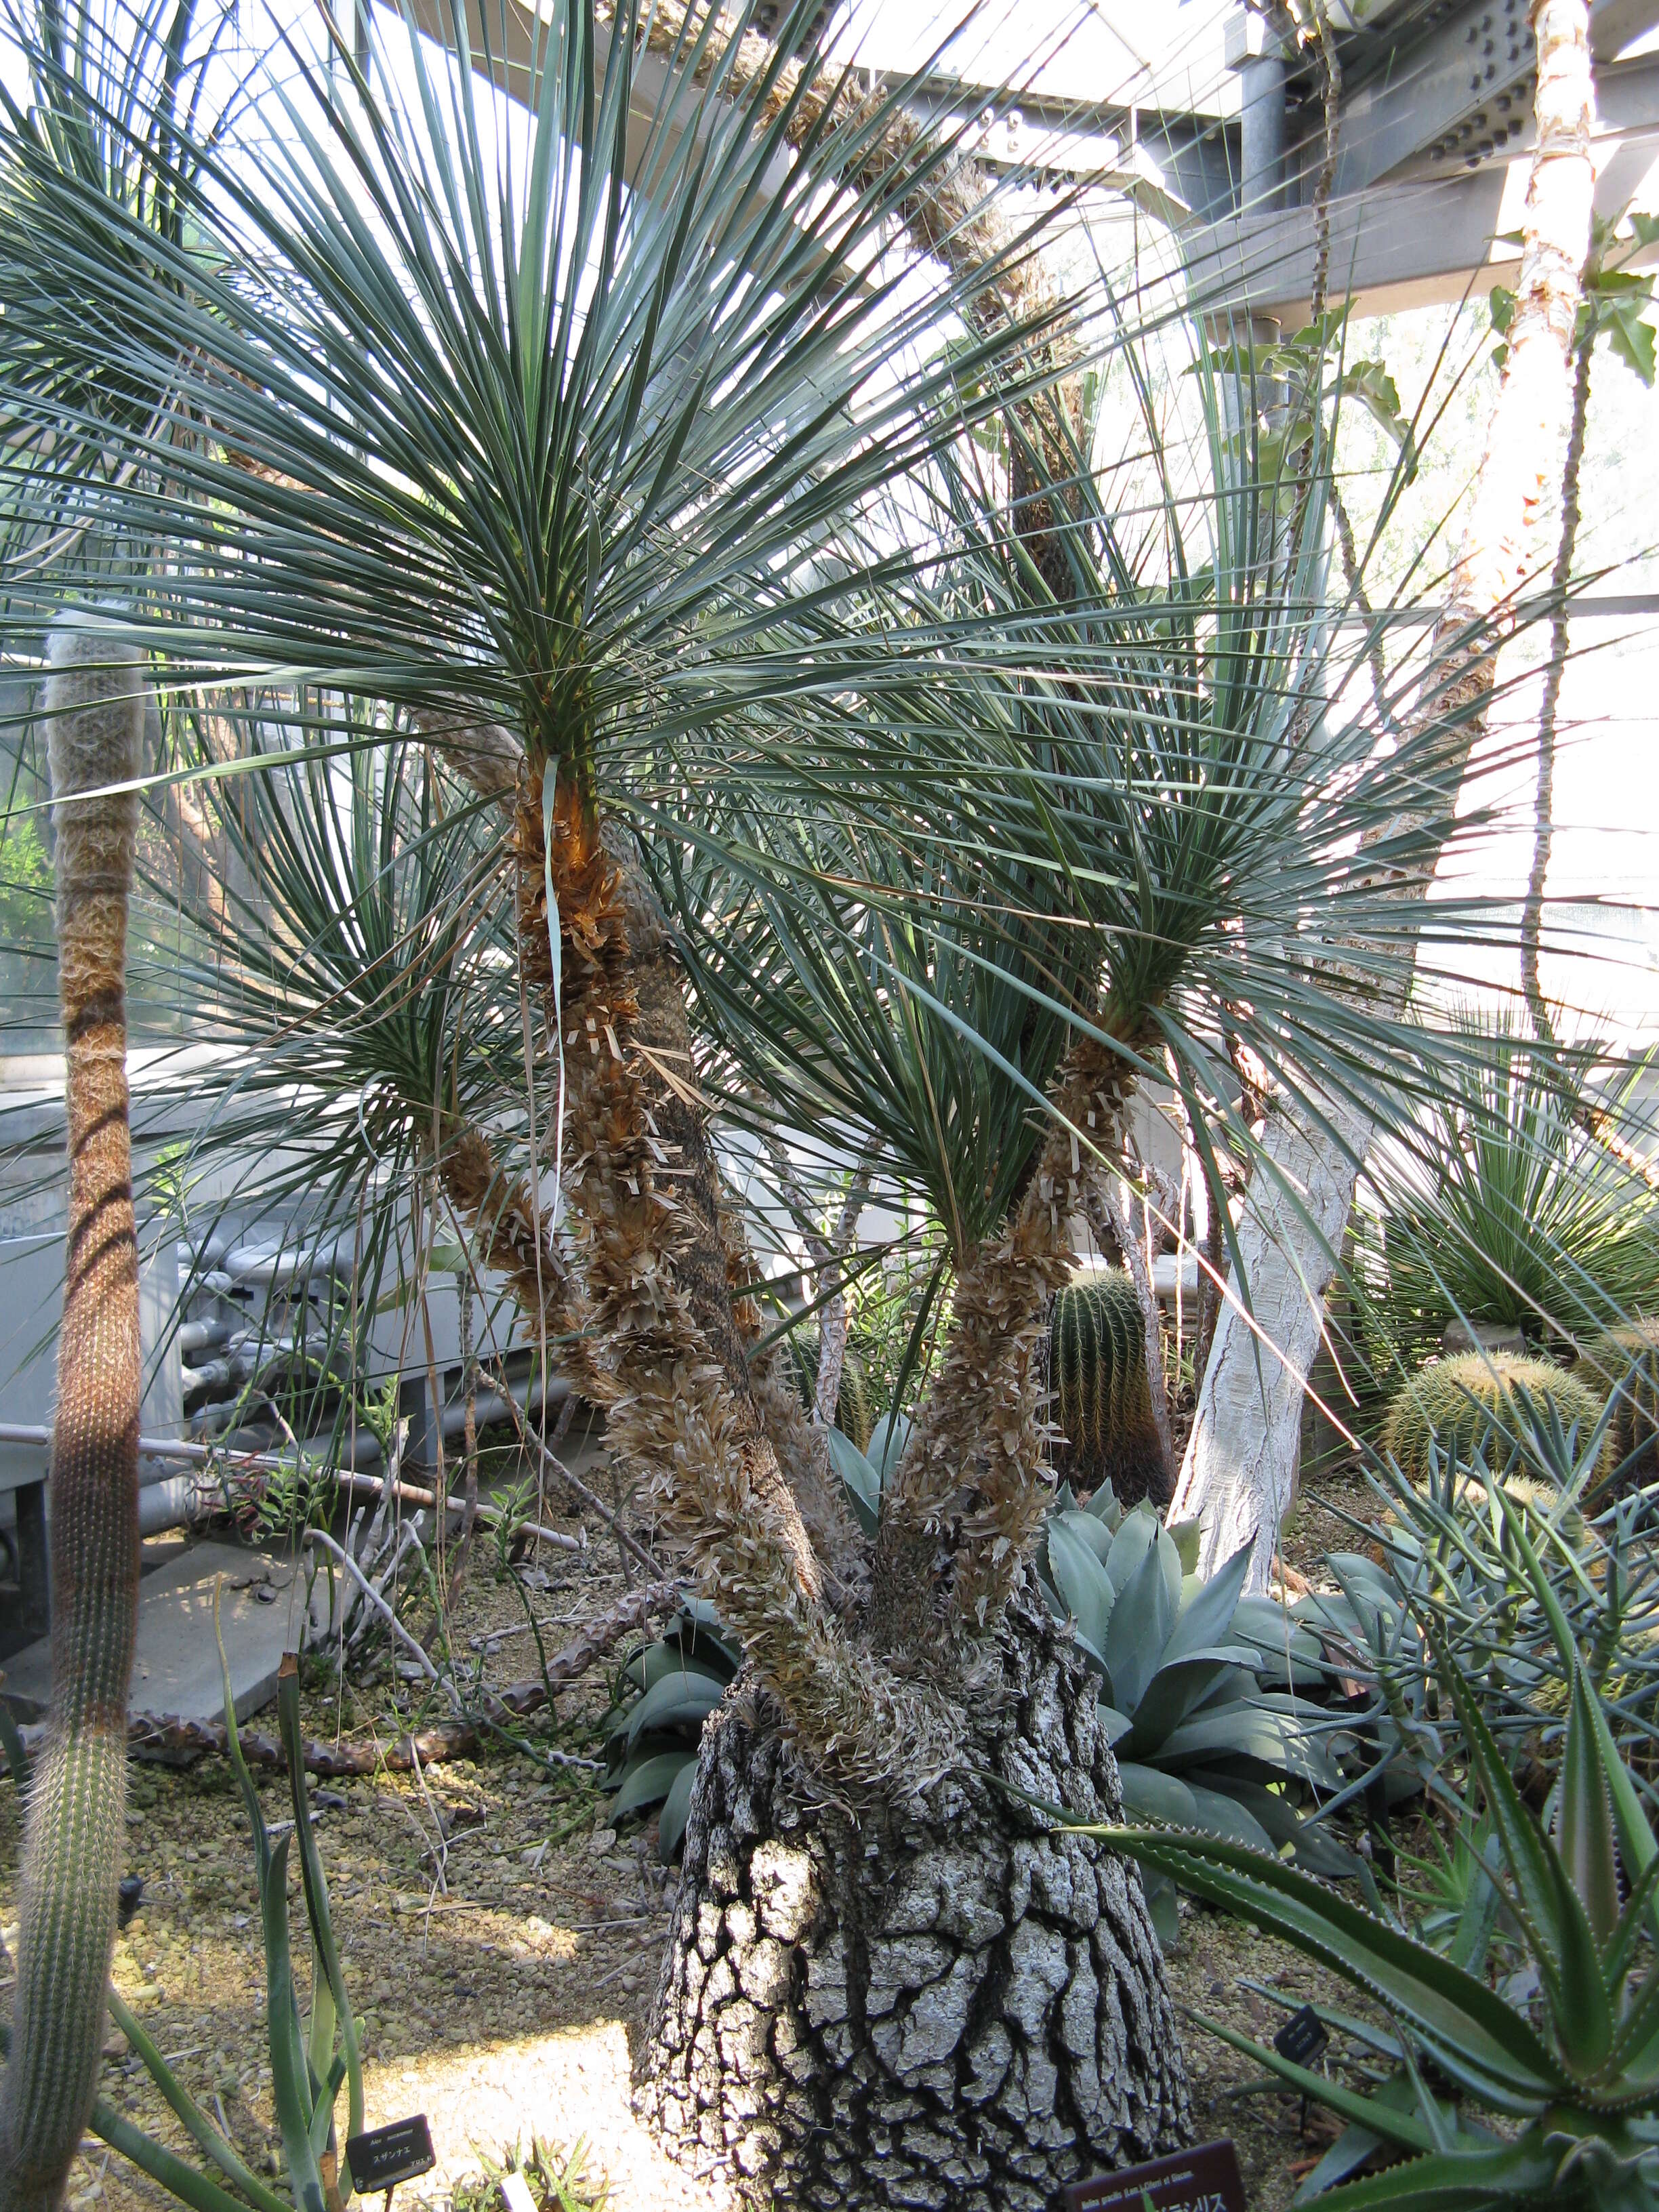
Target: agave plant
point(1211, 1698)
point(1571, 2085)
point(654, 1734)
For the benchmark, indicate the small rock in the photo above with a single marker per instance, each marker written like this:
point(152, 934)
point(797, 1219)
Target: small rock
point(601, 1841)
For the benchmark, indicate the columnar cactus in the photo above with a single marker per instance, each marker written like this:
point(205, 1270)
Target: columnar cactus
point(1453, 1402)
point(1097, 1369)
point(95, 696)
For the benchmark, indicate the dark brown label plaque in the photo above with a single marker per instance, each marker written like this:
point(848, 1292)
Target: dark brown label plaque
point(1303, 2038)
point(1202, 2180)
point(380, 2158)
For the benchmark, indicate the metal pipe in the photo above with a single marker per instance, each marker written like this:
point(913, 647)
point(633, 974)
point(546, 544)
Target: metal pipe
point(172, 1501)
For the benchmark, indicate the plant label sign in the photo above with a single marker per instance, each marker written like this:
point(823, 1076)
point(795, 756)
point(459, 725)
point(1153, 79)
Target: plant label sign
point(1202, 2180)
point(381, 2157)
point(1302, 2039)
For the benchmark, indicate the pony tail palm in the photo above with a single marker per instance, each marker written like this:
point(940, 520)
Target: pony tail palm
point(95, 698)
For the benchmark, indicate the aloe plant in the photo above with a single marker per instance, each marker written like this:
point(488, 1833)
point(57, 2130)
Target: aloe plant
point(311, 2059)
point(1447, 1549)
point(1571, 2082)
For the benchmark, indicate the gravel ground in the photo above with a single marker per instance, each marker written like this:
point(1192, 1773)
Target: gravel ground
point(506, 1998)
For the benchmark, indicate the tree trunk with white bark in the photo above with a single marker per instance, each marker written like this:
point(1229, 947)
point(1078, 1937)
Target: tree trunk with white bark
point(1241, 1458)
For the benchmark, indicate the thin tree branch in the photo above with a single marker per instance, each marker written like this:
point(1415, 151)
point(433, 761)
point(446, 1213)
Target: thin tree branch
point(1532, 917)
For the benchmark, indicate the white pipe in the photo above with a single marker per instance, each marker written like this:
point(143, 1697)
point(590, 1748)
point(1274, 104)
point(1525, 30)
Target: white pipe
point(172, 1501)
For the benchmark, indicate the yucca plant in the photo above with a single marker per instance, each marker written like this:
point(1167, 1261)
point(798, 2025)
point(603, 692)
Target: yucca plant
point(555, 2182)
point(1504, 1209)
point(568, 446)
point(650, 396)
point(1495, 2104)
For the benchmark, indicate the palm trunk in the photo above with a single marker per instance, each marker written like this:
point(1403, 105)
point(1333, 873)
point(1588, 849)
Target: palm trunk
point(509, 1238)
point(798, 1440)
point(644, 1198)
point(1242, 1456)
point(95, 701)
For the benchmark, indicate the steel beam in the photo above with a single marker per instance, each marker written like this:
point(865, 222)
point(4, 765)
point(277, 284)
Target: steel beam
point(655, 87)
point(1425, 239)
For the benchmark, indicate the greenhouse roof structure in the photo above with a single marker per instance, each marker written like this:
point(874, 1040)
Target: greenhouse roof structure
point(1198, 115)
point(1201, 101)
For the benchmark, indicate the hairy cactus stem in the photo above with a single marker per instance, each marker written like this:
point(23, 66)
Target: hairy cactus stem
point(970, 1483)
point(95, 705)
point(645, 1205)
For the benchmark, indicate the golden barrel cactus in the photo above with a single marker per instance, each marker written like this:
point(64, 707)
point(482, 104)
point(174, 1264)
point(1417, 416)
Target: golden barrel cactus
point(1624, 1364)
point(1452, 1404)
point(1103, 1400)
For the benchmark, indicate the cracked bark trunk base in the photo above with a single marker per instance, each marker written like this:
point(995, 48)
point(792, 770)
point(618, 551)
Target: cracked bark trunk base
point(942, 2005)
